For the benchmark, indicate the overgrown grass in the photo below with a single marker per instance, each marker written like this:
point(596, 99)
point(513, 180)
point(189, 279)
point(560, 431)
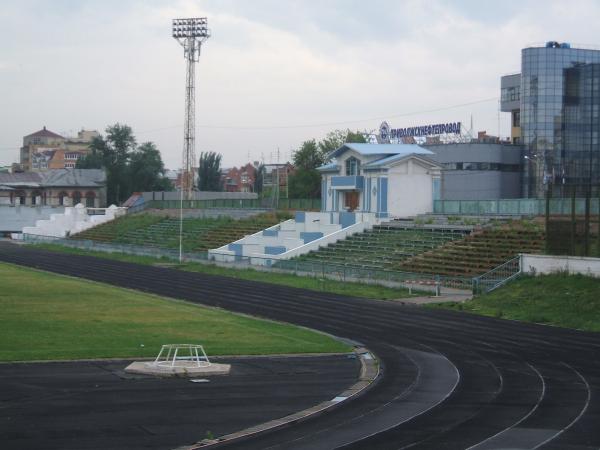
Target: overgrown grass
point(338, 287)
point(47, 316)
point(571, 301)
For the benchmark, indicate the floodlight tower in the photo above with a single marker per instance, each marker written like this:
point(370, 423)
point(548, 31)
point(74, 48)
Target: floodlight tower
point(190, 33)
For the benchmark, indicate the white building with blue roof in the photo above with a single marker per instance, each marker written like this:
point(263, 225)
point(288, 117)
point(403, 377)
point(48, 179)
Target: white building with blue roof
point(389, 180)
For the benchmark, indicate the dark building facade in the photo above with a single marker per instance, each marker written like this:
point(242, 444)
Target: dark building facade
point(554, 105)
point(478, 170)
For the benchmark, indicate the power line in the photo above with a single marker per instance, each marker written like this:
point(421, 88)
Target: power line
point(313, 125)
point(323, 124)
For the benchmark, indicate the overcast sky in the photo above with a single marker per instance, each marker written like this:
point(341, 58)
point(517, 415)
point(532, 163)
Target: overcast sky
point(273, 74)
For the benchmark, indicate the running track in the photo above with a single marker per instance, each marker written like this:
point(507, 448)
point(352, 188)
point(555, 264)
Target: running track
point(449, 380)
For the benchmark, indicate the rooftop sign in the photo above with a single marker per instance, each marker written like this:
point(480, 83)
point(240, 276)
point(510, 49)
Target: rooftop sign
point(386, 133)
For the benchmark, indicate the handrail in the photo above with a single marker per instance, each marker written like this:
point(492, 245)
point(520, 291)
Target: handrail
point(498, 276)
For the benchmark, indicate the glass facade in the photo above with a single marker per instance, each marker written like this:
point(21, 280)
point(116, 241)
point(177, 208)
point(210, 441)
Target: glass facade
point(559, 117)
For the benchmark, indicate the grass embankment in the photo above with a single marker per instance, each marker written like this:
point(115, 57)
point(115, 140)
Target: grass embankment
point(48, 316)
point(371, 291)
point(571, 301)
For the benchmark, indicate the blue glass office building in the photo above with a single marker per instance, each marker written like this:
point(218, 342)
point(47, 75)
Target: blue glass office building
point(555, 103)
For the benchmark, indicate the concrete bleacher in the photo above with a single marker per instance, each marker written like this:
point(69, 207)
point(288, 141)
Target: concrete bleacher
point(384, 246)
point(200, 234)
point(438, 248)
point(478, 253)
point(74, 220)
point(306, 232)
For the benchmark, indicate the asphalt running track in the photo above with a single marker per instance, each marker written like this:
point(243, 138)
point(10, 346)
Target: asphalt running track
point(96, 405)
point(450, 380)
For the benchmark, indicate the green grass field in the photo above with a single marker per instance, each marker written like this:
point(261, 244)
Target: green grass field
point(338, 287)
point(571, 301)
point(47, 316)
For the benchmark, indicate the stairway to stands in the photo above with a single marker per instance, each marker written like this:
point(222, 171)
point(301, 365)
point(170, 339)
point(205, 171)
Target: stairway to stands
point(477, 253)
point(385, 246)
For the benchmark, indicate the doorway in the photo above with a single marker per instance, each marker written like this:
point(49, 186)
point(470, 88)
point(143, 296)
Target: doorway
point(351, 200)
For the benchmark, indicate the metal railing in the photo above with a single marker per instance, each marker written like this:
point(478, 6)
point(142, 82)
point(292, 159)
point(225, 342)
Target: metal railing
point(313, 269)
point(497, 277)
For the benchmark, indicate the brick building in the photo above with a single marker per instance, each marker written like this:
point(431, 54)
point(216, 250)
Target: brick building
point(239, 179)
point(44, 150)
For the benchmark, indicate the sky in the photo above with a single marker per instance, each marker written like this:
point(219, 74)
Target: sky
point(273, 74)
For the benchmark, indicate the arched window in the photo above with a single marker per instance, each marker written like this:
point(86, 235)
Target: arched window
point(61, 198)
point(352, 166)
point(76, 198)
point(89, 199)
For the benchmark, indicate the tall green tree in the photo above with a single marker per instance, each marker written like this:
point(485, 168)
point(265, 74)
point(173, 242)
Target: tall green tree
point(146, 169)
point(306, 180)
point(336, 138)
point(209, 172)
point(259, 178)
point(308, 156)
point(129, 168)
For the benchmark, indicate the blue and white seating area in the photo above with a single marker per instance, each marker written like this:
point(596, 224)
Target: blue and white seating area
point(306, 232)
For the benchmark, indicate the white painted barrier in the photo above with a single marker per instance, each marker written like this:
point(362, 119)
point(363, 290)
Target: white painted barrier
point(545, 264)
point(74, 220)
point(309, 231)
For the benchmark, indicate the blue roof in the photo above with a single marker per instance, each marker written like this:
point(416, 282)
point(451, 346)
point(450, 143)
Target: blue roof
point(382, 149)
point(393, 158)
point(329, 167)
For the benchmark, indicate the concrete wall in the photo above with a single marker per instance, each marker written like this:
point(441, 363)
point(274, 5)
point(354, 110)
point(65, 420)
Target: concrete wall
point(15, 218)
point(410, 190)
point(175, 195)
point(544, 264)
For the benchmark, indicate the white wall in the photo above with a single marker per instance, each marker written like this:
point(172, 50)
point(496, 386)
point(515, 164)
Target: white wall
point(550, 264)
point(410, 189)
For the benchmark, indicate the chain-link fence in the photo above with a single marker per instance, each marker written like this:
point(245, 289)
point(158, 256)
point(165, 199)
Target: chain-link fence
point(573, 223)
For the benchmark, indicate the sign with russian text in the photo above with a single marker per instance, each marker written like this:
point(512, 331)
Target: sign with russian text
point(385, 132)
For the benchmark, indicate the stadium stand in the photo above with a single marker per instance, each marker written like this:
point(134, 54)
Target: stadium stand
point(437, 250)
point(385, 246)
point(160, 231)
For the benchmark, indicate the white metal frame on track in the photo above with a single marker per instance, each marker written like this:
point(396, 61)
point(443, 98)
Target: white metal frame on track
point(182, 355)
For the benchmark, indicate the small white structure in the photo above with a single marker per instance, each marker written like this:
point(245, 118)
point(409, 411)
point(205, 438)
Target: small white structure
point(398, 180)
point(306, 232)
point(187, 360)
point(74, 220)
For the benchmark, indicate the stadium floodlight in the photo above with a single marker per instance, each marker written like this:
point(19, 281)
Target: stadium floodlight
point(190, 33)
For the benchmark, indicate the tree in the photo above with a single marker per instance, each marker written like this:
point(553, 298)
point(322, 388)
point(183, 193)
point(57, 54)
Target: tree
point(146, 169)
point(306, 181)
point(258, 178)
point(305, 184)
point(336, 138)
point(209, 172)
point(128, 168)
point(308, 156)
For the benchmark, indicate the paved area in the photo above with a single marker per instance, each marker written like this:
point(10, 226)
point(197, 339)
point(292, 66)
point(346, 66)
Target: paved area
point(449, 380)
point(96, 405)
